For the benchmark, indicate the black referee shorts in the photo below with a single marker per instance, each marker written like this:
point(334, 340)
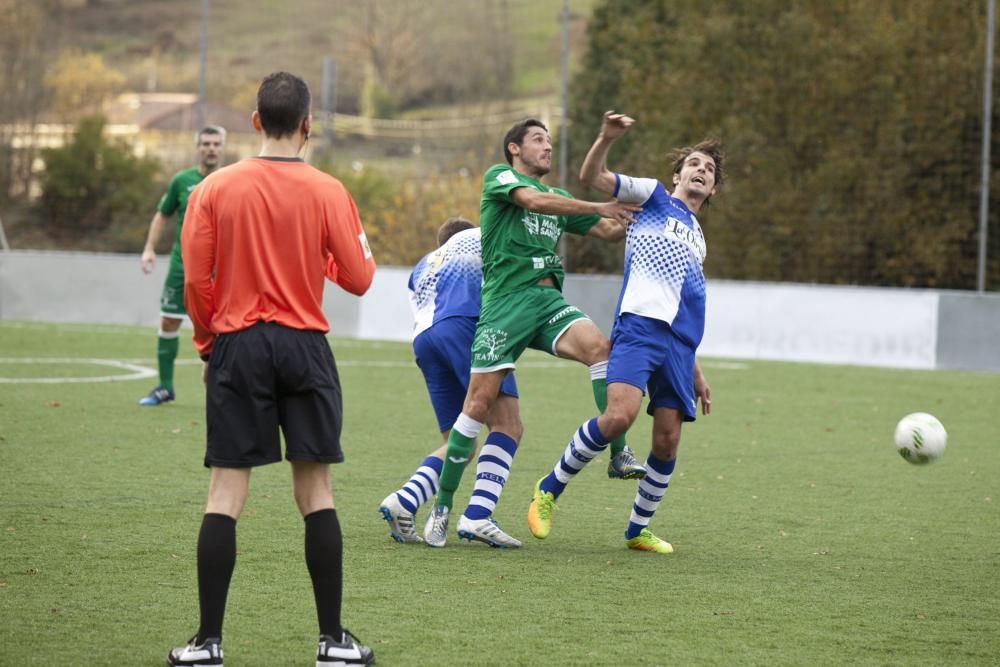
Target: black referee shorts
point(270, 376)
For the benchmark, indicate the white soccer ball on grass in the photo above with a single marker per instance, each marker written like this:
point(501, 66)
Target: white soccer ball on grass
point(920, 438)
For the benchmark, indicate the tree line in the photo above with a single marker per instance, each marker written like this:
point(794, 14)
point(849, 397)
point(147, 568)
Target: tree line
point(852, 131)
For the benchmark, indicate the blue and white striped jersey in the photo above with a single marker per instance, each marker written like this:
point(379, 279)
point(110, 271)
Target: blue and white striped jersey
point(664, 253)
point(446, 282)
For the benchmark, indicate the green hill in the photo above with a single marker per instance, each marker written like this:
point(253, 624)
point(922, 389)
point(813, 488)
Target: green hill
point(417, 54)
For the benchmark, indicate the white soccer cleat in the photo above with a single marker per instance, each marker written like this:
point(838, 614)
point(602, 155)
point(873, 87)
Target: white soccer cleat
point(348, 651)
point(209, 652)
point(488, 531)
point(436, 528)
point(401, 522)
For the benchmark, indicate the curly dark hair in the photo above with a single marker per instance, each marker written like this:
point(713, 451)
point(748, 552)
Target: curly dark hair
point(710, 147)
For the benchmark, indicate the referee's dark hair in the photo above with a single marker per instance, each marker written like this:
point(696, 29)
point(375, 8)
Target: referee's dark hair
point(283, 101)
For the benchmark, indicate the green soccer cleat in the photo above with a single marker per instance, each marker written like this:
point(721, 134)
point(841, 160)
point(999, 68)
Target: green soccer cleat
point(646, 541)
point(540, 512)
point(624, 466)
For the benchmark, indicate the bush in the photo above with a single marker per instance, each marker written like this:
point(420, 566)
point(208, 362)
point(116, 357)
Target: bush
point(94, 186)
point(401, 217)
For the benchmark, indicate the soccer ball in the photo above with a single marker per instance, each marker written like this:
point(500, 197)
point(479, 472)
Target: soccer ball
point(920, 438)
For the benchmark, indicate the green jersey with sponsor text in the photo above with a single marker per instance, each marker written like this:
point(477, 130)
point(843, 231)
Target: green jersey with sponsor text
point(175, 200)
point(518, 245)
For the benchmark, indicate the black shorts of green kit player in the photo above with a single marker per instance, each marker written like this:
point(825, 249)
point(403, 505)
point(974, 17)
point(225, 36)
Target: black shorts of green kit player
point(265, 378)
point(172, 297)
point(535, 318)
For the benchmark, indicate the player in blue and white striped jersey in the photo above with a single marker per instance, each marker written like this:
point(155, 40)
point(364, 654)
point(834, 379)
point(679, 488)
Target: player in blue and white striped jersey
point(446, 282)
point(444, 296)
point(658, 326)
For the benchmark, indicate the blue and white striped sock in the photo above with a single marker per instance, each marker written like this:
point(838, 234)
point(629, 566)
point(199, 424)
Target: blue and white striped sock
point(422, 486)
point(492, 470)
point(649, 494)
point(587, 443)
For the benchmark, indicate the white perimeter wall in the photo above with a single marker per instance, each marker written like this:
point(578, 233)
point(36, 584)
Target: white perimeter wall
point(842, 325)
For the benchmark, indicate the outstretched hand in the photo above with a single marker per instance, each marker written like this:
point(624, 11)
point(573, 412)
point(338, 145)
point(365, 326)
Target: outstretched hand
point(618, 211)
point(615, 125)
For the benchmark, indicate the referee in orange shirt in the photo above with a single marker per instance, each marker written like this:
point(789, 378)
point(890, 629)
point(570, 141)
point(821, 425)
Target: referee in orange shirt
point(261, 237)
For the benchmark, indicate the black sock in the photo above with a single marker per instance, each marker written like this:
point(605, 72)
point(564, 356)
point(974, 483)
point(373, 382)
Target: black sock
point(216, 560)
point(324, 558)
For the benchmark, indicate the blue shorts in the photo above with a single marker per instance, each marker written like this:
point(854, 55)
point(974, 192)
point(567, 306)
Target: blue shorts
point(646, 353)
point(444, 355)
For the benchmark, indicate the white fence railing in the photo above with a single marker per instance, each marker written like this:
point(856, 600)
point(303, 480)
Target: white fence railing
point(899, 328)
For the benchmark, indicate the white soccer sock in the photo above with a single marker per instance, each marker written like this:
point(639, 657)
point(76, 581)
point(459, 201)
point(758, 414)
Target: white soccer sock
point(598, 371)
point(467, 426)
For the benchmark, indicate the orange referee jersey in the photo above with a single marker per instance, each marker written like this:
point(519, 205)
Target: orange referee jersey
point(258, 240)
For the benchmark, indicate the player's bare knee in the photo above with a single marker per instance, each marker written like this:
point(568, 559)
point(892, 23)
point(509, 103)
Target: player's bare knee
point(596, 350)
point(665, 444)
point(477, 408)
point(510, 424)
point(512, 427)
point(170, 324)
point(505, 417)
point(311, 496)
point(614, 422)
point(229, 505)
point(600, 349)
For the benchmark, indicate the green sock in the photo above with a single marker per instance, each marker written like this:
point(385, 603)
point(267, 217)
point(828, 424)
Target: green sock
point(600, 388)
point(455, 460)
point(166, 354)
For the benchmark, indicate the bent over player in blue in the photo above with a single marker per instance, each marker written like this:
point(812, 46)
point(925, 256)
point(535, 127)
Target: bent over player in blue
point(659, 324)
point(444, 295)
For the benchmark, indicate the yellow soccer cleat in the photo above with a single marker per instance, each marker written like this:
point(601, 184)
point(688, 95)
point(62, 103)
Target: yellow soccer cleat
point(646, 541)
point(540, 512)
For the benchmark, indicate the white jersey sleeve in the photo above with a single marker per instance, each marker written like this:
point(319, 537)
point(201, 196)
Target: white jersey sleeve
point(632, 190)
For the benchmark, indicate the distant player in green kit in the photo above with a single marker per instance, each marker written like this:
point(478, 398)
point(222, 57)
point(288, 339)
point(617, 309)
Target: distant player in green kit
point(210, 141)
point(522, 220)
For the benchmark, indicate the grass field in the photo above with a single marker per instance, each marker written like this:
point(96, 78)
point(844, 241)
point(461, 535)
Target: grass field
point(801, 537)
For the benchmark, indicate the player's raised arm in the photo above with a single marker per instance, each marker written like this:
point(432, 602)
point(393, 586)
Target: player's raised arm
point(594, 172)
point(553, 204)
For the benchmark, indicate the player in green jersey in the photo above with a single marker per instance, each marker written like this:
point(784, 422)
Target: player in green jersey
point(522, 220)
point(210, 142)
